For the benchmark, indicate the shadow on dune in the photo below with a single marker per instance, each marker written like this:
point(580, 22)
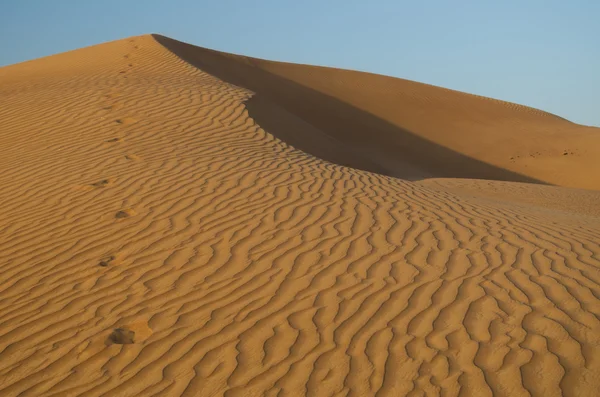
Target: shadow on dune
point(332, 130)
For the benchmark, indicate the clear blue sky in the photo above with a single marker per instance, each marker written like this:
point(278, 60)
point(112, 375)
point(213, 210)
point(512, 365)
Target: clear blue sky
point(541, 53)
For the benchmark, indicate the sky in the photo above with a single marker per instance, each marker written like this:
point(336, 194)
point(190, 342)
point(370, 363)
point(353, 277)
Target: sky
point(540, 53)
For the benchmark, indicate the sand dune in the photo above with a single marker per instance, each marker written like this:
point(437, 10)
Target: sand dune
point(407, 129)
point(177, 221)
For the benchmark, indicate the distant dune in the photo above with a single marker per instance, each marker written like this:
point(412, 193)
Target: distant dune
point(180, 221)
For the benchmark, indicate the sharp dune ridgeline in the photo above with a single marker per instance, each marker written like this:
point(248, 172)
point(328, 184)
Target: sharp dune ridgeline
point(180, 221)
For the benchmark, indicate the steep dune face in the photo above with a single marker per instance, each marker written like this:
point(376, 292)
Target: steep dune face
point(158, 239)
point(413, 130)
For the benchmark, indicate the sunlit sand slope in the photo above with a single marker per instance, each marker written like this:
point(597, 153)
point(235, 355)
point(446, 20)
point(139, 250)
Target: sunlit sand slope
point(157, 240)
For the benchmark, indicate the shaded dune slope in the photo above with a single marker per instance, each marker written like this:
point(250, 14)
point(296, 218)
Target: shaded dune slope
point(403, 128)
point(158, 240)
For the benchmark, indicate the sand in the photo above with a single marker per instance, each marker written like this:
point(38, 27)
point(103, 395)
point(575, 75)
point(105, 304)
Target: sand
point(178, 221)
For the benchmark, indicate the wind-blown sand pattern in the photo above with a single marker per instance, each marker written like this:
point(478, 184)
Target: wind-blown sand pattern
point(176, 221)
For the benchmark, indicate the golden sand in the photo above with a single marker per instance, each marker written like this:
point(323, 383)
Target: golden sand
point(178, 221)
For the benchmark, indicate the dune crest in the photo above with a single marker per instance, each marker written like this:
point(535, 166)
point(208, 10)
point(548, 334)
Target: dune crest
point(407, 129)
point(177, 221)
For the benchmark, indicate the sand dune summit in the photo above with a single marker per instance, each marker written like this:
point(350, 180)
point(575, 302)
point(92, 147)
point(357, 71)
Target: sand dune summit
point(179, 221)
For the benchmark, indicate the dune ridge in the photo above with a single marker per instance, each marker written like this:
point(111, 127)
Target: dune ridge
point(159, 239)
point(408, 129)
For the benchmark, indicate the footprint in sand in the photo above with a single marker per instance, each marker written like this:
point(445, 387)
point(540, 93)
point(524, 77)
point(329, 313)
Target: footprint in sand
point(126, 121)
point(114, 94)
point(113, 103)
point(103, 183)
point(126, 213)
point(135, 332)
point(107, 261)
point(122, 336)
point(96, 185)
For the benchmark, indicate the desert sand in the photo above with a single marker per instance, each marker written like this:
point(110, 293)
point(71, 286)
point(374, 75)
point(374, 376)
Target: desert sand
point(180, 221)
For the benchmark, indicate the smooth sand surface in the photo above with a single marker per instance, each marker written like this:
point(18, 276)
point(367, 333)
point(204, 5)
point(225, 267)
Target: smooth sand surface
point(178, 221)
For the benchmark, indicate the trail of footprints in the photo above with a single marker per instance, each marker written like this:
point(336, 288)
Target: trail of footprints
point(112, 260)
point(252, 268)
point(123, 335)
